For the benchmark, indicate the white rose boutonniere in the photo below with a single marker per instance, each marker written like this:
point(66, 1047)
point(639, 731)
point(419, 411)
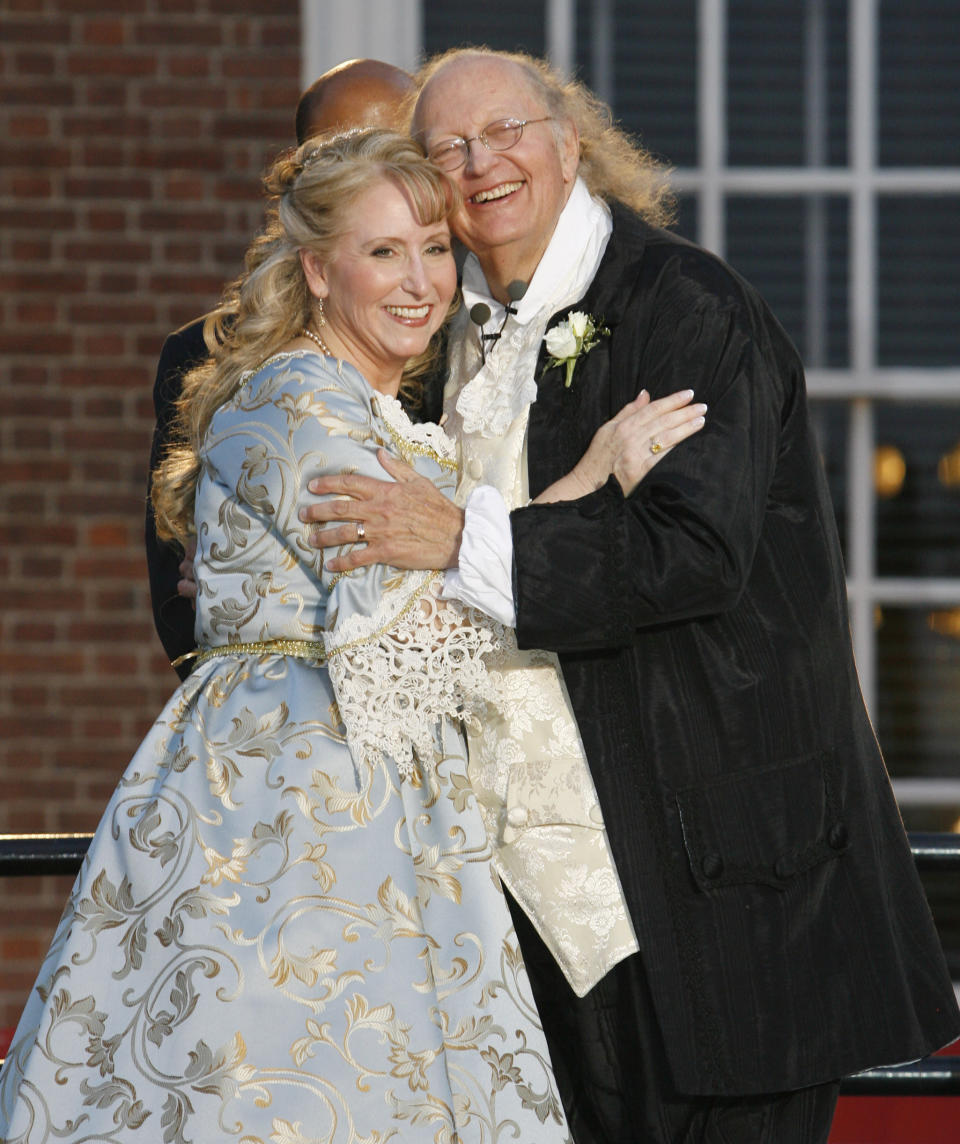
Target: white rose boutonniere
point(571, 338)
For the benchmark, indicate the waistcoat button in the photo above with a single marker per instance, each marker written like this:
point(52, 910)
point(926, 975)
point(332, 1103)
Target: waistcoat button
point(517, 816)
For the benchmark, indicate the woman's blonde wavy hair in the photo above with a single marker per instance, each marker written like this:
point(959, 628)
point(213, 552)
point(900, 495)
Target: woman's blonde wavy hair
point(613, 165)
point(310, 193)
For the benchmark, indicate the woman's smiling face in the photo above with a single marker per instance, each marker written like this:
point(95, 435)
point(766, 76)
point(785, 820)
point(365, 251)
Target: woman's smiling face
point(387, 286)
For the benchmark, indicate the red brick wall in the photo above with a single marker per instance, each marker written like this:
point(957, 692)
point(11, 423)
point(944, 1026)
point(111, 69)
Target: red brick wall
point(133, 134)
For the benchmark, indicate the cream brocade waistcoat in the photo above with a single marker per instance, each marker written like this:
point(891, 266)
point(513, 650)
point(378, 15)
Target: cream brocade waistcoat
point(527, 763)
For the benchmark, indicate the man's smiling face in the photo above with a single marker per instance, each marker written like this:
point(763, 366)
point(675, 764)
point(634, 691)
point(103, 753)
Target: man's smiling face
point(511, 199)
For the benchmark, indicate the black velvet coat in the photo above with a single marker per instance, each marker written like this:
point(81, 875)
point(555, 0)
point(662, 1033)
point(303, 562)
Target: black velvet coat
point(703, 634)
point(172, 614)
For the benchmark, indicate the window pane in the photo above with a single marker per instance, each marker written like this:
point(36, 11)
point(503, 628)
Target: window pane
point(794, 250)
point(919, 97)
point(784, 60)
point(918, 280)
point(917, 480)
point(651, 58)
point(918, 696)
point(501, 24)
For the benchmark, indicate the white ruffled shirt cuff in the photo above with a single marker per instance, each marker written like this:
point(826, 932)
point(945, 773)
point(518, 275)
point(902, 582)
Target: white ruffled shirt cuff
point(484, 578)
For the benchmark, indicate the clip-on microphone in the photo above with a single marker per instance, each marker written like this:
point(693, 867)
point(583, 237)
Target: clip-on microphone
point(480, 314)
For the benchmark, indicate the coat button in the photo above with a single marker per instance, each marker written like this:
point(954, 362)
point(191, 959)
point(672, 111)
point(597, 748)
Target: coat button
point(782, 868)
point(712, 865)
point(837, 836)
point(474, 469)
point(517, 816)
point(596, 815)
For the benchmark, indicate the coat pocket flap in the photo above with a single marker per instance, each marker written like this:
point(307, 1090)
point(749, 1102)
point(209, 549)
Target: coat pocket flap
point(764, 825)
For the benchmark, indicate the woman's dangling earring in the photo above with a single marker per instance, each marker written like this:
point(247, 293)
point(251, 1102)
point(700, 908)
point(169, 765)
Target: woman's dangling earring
point(321, 317)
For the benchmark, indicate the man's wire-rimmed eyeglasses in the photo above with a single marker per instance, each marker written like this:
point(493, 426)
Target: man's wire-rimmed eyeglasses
point(500, 135)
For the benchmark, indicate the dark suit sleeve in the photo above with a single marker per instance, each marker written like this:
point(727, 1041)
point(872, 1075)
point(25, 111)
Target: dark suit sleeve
point(173, 615)
point(590, 573)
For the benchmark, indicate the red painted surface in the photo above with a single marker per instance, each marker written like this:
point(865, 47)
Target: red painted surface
point(898, 1120)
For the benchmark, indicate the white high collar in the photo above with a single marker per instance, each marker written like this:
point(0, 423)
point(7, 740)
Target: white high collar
point(567, 267)
point(505, 385)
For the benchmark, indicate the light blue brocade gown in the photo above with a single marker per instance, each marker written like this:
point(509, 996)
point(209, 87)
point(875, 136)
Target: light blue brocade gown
point(287, 928)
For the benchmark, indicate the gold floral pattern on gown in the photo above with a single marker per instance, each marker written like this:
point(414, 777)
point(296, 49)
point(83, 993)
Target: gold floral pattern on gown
point(287, 928)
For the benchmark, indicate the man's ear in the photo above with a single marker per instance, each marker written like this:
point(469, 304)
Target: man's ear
point(569, 150)
point(315, 272)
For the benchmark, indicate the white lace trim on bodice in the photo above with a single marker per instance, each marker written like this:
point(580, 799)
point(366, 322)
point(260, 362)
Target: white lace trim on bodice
point(418, 437)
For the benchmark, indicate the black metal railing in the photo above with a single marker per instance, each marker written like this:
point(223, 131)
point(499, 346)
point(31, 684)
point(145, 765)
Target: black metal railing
point(27, 854)
point(22, 854)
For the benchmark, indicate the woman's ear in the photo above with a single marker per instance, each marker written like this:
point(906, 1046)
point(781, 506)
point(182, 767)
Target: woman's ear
point(314, 270)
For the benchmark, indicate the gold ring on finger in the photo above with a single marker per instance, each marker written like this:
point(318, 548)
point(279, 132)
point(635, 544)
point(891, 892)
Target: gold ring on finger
point(656, 446)
point(361, 531)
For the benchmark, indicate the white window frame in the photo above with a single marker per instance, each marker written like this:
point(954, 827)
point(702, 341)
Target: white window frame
point(332, 31)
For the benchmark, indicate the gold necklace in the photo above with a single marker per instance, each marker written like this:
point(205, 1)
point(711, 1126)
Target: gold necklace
point(324, 348)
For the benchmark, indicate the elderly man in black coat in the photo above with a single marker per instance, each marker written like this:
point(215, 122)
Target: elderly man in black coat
point(701, 625)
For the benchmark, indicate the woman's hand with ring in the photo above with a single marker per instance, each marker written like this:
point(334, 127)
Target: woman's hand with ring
point(641, 434)
point(647, 431)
